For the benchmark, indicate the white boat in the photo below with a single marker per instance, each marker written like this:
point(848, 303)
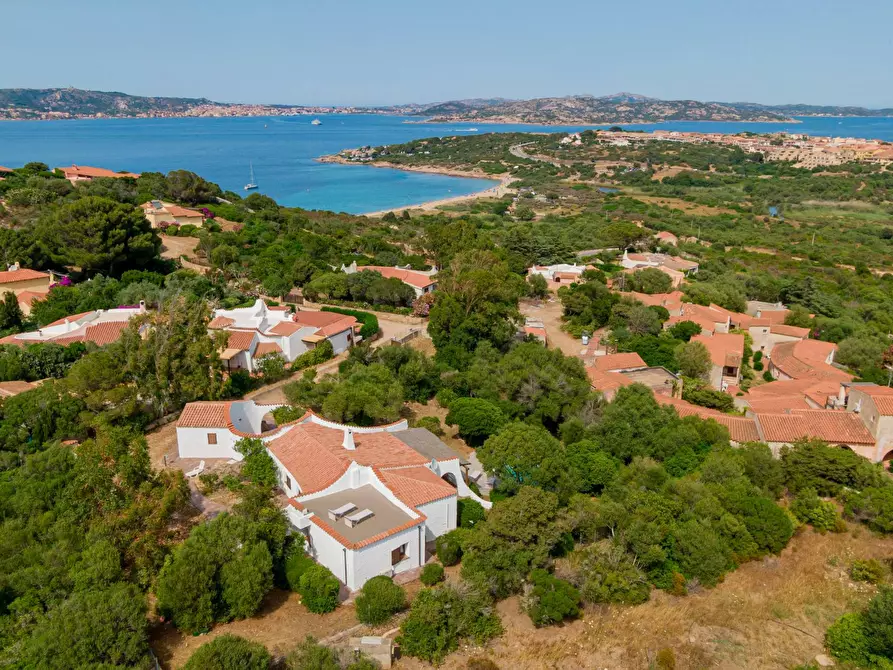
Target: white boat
point(316, 122)
point(251, 185)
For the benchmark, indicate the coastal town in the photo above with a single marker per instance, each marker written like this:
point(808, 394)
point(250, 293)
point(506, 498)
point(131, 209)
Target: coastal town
point(370, 336)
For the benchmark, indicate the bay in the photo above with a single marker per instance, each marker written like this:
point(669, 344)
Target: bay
point(283, 151)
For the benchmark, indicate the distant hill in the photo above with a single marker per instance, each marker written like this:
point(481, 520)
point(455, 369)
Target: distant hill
point(816, 110)
point(588, 109)
point(39, 103)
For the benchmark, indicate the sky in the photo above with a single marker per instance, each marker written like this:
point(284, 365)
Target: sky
point(376, 52)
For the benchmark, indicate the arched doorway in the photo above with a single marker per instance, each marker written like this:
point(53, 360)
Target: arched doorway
point(450, 479)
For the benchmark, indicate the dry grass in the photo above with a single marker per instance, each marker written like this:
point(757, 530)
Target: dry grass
point(767, 614)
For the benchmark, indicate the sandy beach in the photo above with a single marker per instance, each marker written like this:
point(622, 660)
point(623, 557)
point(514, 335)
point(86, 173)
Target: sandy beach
point(501, 187)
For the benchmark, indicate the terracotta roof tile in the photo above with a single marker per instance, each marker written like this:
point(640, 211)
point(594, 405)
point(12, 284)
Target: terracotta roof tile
point(415, 486)
point(104, 333)
point(741, 428)
point(240, 340)
point(790, 331)
point(28, 297)
point(806, 358)
point(70, 319)
point(207, 414)
point(834, 426)
point(724, 348)
point(264, 348)
point(220, 322)
point(881, 395)
point(285, 328)
point(417, 279)
point(621, 361)
point(93, 172)
point(23, 274)
point(320, 319)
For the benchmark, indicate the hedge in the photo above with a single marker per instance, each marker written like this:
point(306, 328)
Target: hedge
point(369, 321)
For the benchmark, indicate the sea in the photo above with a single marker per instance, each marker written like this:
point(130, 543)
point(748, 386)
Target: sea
point(283, 151)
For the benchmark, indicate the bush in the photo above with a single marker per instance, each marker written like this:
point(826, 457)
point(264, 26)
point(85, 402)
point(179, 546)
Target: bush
point(551, 600)
point(877, 622)
point(846, 639)
point(820, 514)
point(370, 321)
point(319, 354)
point(430, 423)
point(432, 574)
point(287, 414)
point(471, 512)
point(476, 418)
point(767, 375)
point(295, 566)
point(209, 482)
point(440, 618)
point(319, 589)
point(380, 599)
point(869, 570)
point(607, 574)
point(229, 652)
point(449, 548)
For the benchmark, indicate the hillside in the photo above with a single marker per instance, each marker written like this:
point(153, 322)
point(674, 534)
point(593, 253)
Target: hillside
point(619, 108)
point(73, 102)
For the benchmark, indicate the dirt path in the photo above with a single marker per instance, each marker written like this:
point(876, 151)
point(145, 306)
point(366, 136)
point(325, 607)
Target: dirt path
point(549, 313)
point(175, 247)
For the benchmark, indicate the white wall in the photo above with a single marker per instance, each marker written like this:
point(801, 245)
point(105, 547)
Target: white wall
point(340, 341)
point(193, 443)
point(441, 517)
point(327, 551)
point(375, 559)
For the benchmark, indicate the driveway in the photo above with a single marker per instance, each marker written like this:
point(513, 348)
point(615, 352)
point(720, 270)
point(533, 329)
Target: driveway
point(549, 312)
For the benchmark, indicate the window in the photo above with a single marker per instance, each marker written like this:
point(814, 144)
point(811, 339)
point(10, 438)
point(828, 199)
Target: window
point(729, 371)
point(398, 554)
point(212, 438)
point(287, 482)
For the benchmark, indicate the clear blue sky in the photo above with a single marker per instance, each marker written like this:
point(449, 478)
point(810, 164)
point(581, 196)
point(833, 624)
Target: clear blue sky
point(393, 51)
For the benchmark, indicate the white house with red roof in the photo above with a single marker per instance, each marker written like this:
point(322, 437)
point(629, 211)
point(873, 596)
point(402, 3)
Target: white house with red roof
point(421, 282)
point(101, 327)
point(726, 355)
point(159, 213)
point(261, 330)
point(368, 500)
point(77, 173)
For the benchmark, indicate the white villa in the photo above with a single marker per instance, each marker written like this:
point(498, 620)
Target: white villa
point(562, 273)
point(101, 327)
point(260, 330)
point(368, 500)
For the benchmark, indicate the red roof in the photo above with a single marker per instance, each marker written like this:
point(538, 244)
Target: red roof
point(5, 169)
point(881, 395)
point(220, 322)
point(806, 358)
point(22, 274)
point(830, 425)
point(207, 414)
point(329, 323)
point(176, 210)
point(28, 297)
point(415, 486)
point(285, 328)
point(70, 319)
point(417, 279)
point(315, 454)
point(790, 331)
point(266, 348)
point(240, 340)
point(87, 172)
point(622, 361)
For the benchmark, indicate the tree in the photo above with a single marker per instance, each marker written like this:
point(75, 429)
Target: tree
point(525, 455)
point(878, 623)
point(684, 330)
point(188, 187)
point(100, 236)
point(272, 367)
point(537, 286)
point(257, 466)
point(622, 234)
point(379, 600)
point(229, 652)
point(592, 468)
point(91, 628)
point(607, 574)
point(11, 316)
point(432, 574)
point(648, 280)
point(477, 419)
point(223, 256)
point(694, 360)
point(369, 395)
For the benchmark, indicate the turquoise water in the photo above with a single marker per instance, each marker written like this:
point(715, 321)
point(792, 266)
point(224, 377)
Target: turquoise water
point(283, 150)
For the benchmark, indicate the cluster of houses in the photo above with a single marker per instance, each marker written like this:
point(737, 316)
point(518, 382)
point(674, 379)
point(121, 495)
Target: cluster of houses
point(368, 500)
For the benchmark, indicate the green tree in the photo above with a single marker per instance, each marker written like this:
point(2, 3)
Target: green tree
point(257, 466)
point(11, 316)
point(537, 286)
point(694, 360)
point(319, 589)
point(685, 330)
point(476, 418)
point(525, 455)
point(608, 574)
point(368, 395)
point(551, 600)
point(648, 280)
point(229, 652)
point(99, 235)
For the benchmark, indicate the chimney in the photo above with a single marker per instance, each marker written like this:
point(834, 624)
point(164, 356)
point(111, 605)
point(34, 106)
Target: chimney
point(348, 442)
point(142, 306)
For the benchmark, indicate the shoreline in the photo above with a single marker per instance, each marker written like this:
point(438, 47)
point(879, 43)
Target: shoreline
point(511, 121)
point(498, 190)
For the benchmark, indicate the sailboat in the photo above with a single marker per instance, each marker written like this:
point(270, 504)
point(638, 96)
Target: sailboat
point(251, 185)
point(316, 122)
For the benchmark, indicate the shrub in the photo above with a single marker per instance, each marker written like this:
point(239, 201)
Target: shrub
point(319, 354)
point(767, 375)
point(430, 423)
point(846, 639)
point(432, 574)
point(440, 618)
point(370, 321)
point(380, 599)
point(295, 566)
point(229, 652)
point(820, 514)
point(869, 570)
point(477, 418)
point(877, 622)
point(551, 600)
point(480, 663)
point(210, 482)
point(445, 397)
point(287, 414)
point(471, 512)
point(666, 659)
point(449, 548)
point(319, 589)
point(608, 574)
